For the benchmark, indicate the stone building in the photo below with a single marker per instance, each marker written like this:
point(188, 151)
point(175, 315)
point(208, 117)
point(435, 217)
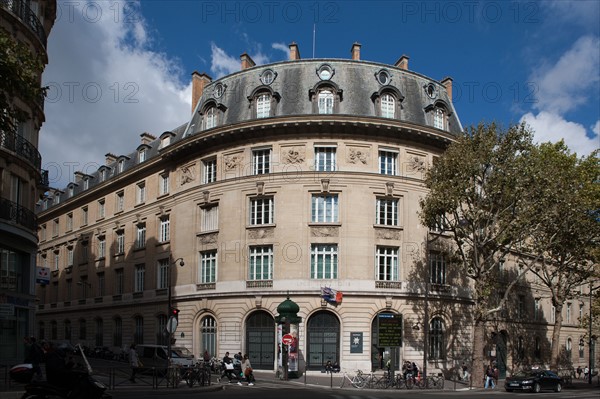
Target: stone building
point(28, 22)
point(298, 179)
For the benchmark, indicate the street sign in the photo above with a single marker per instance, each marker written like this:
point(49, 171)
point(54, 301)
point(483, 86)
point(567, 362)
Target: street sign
point(171, 325)
point(287, 339)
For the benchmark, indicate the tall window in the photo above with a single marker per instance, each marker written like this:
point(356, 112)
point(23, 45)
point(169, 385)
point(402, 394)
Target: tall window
point(521, 306)
point(99, 332)
point(208, 335)
point(120, 242)
point(56, 260)
point(569, 349)
point(261, 161)
point(439, 118)
point(536, 309)
point(164, 230)
point(162, 279)
point(140, 273)
point(69, 221)
point(208, 267)
point(119, 282)
point(82, 329)
point(163, 183)
point(260, 265)
point(388, 106)
point(141, 193)
point(101, 285)
point(53, 329)
point(568, 313)
point(140, 238)
point(85, 252)
point(323, 261)
point(387, 264)
point(520, 348)
point(209, 218)
point(117, 332)
point(325, 159)
point(138, 334)
point(263, 106)
point(581, 349)
point(101, 247)
point(68, 330)
point(437, 265)
point(326, 100)
point(84, 216)
point(324, 208)
point(388, 163)
point(120, 201)
point(387, 212)
point(101, 209)
point(261, 211)
point(436, 338)
point(209, 173)
point(537, 348)
point(70, 257)
point(55, 227)
point(210, 118)
point(121, 166)
point(142, 155)
point(162, 336)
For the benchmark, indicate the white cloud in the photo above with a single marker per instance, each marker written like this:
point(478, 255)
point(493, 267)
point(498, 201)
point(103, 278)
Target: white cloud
point(222, 63)
point(551, 127)
point(282, 47)
point(596, 128)
point(106, 88)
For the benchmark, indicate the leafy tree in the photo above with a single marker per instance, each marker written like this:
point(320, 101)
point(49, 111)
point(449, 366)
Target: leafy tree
point(565, 197)
point(478, 192)
point(20, 71)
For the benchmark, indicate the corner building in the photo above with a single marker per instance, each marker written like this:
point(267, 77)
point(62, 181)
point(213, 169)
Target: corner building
point(27, 23)
point(288, 179)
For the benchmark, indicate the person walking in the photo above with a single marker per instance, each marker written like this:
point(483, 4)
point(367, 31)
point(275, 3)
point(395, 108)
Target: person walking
point(489, 378)
point(465, 372)
point(227, 368)
point(134, 361)
point(247, 367)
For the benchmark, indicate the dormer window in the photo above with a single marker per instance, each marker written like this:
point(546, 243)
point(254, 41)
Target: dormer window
point(439, 118)
point(263, 106)
point(71, 190)
point(120, 165)
point(431, 90)
point(388, 102)
point(325, 102)
point(210, 118)
point(219, 90)
point(86, 183)
point(388, 106)
point(383, 77)
point(268, 76)
point(263, 102)
point(165, 141)
point(142, 154)
point(325, 72)
point(325, 98)
point(102, 174)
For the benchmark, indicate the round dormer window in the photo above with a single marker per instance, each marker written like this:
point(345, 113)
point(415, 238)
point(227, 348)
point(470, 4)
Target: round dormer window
point(219, 90)
point(383, 77)
point(267, 77)
point(325, 72)
point(431, 90)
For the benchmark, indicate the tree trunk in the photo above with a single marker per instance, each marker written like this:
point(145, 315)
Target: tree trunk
point(555, 352)
point(478, 361)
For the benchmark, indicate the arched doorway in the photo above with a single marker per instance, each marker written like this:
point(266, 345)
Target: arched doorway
point(380, 355)
point(260, 340)
point(323, 340)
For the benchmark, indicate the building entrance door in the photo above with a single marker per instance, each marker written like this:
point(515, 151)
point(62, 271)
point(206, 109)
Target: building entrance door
point(323, 332)
point(260, 340)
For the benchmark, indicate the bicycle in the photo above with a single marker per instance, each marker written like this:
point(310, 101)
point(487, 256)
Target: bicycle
point(435, 382)
point(357, 381)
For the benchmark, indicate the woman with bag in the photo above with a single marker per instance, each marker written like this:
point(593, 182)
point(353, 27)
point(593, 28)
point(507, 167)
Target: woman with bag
point(248, 370)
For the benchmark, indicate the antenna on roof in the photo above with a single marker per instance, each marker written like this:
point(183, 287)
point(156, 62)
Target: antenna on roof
point(314, 37)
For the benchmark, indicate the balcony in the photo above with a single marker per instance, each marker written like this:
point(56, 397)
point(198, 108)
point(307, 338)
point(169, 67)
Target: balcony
point(21, 147)
point(21, 10)
point(18, 214)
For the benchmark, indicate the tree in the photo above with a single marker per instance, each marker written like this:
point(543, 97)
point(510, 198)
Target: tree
point(565, 207)
point(20, 71)
point(478, 193)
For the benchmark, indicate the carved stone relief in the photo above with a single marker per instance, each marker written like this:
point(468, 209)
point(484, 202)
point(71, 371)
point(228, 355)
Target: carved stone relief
point(186, 174)
point(388, 234)
point(208, 239)
point(356, 155)
point(260, 233)
point(293, 155)
point(416, 163)
point(233, 161)
point(325, 231)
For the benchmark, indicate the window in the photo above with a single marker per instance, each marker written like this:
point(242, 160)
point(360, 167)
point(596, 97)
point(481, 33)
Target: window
point(263, 106)
point(439, 118)
point(162, 279)
point(101, 285)
point(120, 166)
point(164, 231)
point(261, 161)
point(437, 268)
point(553, 314)
point(117, 332)
point(388, 106)
point(120, 201)
point(208, 334)
point(99, 332)
point(581, 349)
point(68, 331)
point(383, 77)
point(84, 252)
point(84, 216)
point(55, 228)
point(569, 349)
point(86, 183)
point(260, 265)
point(325, 102)
point(268, 76)
point(71, 191)
point(261, 211)
point(387, 264)
point(162, 336)
point(210, 118)
point(101, 247)
point(101, 209)
point(70, 257)
point(568, 313)
point(208, 267)
point(521, 306)
point(53, 329)
point(520, 348)
point(141, 193)
point(323, 261)
point(69, 291)
point(324, 208)
point(140, 273)
point(325, 159)
point(536, 309)
point(85, 285)
point(140, 238)
point(69, 221)
point(163, 184)
point(102, 174)
point(387, 212)
point(138, 334)
point(82, 329)
point(120, 243)
point(142, 155)
point(209, 173)
point(56, 260)
point(388, 163)
point(119, 282)
point(436, 338)
point(43, 233)
point(581, 312)
point(209, 218)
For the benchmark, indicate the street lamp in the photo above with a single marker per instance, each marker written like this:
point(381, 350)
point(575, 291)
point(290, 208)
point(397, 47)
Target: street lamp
point(171, 319)
point(590, 331)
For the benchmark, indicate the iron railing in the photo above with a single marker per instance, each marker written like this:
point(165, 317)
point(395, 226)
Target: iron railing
point(18, 214)
point(22, 147)
point(21, 10)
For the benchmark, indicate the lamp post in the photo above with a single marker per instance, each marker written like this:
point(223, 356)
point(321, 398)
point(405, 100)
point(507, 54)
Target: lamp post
point(590, 338)
point(171, 321)
point(426, 321)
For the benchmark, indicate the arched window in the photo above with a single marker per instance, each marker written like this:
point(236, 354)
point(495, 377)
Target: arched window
point(569, 348)
point(162, 336)
point(117, 332)
point(210, 118)
point(208, 335)
point(439, 118)
point(263, 105)
point(325, 102)
point(520, 349)
point(436, 338)
point(388, 106)
point(138, 334)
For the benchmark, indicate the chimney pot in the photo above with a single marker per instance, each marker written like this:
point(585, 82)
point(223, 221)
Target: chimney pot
point(110, 158)
point(447, 82)
point(355, 51)
point(402, 62)
point(294, 51)
point(199, 82)
point(147, 138)
point(247, 61)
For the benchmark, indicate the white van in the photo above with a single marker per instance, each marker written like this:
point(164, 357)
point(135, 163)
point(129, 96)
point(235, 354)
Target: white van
point(156, 356)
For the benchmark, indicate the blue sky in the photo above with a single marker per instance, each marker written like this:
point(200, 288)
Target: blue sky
point(118, 68)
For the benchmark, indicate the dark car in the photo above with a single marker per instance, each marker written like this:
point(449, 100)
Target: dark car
point(534, 381)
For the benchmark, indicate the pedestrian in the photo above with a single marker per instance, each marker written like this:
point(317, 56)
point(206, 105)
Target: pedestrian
point(134, 361)
point(465, 372)
point(206, 356)
point(579, 370)
point(227, 368)
point(248, 371)
point(586, 370)
point(489, 378)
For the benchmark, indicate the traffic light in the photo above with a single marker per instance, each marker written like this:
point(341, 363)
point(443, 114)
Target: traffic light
point(175, 312)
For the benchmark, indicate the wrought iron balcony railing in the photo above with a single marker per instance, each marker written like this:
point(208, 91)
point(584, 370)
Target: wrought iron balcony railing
point(18, 214)
point(21, 10)
point(23, 148)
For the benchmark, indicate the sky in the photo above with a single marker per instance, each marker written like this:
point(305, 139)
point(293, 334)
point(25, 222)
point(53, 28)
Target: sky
point(118, 69)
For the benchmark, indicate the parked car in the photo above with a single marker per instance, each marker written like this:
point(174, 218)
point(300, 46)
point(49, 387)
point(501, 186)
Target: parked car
point(534, 381)
point(156, 356)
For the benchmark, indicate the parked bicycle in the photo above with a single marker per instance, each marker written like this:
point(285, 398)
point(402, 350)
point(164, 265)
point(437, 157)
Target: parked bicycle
point(357, 381)
point(198, 374)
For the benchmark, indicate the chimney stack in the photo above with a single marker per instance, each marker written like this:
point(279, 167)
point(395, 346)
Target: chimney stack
point(294, 51)
point(78, 176)
point(247, 62)
point(147, 138)
point(402, 62)
point(355, 51)
point(447, 82)
point(110, 158)
point(199, 82)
